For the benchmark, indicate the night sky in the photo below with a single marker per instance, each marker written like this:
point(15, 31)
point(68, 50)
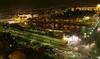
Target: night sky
point(47, 3)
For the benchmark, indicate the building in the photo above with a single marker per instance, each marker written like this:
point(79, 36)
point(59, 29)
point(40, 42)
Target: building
point(86, 8)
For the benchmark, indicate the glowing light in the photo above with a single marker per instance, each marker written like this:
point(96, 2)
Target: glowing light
point(76, 48)
point(25, 23)
point(86, 18)
point(98, 5)
point(98, 30)
point(12, 22)
point(90, 33)
point(65, 38)
point(98, 57)
point(85, 35)
point(35, 15)
point(49, 30)
point(72, 40)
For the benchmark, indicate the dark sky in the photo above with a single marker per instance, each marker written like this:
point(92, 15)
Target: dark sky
point(46, 3)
